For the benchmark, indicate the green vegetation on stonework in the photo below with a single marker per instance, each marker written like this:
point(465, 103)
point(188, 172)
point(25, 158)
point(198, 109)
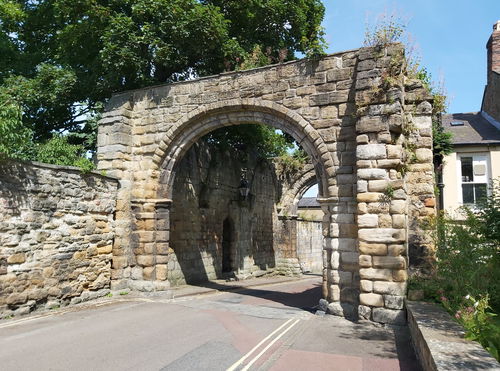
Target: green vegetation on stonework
point(61, 60)
point(391, 29)
point(465, 274)
point(262, 140)
point(59, 151)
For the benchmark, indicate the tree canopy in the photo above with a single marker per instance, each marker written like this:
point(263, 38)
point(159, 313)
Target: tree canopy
point(62, 58)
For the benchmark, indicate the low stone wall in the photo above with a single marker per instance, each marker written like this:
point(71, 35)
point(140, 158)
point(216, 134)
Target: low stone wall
point(439, 341)
point(56, 236)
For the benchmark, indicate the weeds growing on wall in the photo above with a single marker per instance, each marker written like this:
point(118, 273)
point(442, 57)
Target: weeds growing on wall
point(465, 277)
point(289, 163)
point(392, 28)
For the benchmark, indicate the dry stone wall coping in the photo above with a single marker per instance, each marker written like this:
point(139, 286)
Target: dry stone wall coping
point(439, 341)
point(71, 169)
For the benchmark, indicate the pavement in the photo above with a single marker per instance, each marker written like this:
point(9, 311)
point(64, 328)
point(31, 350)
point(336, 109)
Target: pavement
point(263, 324)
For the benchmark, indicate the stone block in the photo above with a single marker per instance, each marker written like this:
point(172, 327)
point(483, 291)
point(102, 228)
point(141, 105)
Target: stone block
point(396, 250)
point(362, 208)
point(119, 262)
point(393, 301)
point(364, 312)
point(148, 273)
point(389, 164)
point(389, 316)
point(365, 261)
point(372, 174)
point(372, 300)
point(369, 196)
point(375, 274)
point(382, 235)
point(339, 74)
point(392, 262)
point(345, 278)
point(400, 275)
point(384, 221)
point(362, 186)
point(424, 155)
point(349, 294)
point(366, 285)
point(105, 249)
point(390, 288)
point(16, 298)
point(394, 151)
point(371, 151)
point(351, 258)
point(136, 273)
point(348, 230)
point(399, 221)
point(145, 260)
point(398, 207)
point(347, 244)
point(335, 260)
point(334, 293)
point(372, 248)
point(335, 308)
point(18, 258)
point(378, 185)
point(368, 221)
point(362, 139)
point(367, 124)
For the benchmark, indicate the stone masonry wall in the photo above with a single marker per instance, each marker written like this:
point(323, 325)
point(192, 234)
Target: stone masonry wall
point(365, 126)
point(206, 194)
point(310, 246)
point(395, 182)
point(56, 236)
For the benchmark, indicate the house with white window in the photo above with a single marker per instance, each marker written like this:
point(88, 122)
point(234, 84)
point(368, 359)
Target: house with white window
point(475, 162)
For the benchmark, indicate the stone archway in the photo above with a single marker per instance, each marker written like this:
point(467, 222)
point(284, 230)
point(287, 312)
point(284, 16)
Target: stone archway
point(295, 187)
point(349, 117)
point(187, 131)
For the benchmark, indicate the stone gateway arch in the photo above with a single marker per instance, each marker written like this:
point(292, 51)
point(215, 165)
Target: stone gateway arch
point(366, 127)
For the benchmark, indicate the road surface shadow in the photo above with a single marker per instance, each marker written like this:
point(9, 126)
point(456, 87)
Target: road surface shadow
point(306, 300)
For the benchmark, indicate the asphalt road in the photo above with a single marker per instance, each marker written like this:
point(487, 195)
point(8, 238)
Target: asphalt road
point(270, 327)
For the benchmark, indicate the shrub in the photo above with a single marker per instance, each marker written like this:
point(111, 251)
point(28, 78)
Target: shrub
point(59, 151)
point(14, 136)
point(465, 277)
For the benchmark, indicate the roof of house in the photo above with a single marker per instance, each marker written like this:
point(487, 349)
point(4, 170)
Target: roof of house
point(308, 202)
point(472, 129)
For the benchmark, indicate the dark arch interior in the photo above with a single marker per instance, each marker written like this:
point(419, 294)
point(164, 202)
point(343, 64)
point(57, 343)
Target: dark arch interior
point(215, 232)
point(227, 246)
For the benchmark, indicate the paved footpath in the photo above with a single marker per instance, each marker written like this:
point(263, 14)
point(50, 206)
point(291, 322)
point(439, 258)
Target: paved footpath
point(268, 327)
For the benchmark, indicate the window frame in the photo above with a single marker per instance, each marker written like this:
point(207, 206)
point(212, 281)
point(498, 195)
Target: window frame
point(476, 157)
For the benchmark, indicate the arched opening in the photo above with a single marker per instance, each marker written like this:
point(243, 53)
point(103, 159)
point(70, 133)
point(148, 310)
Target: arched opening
point(309, 234)
point(189, 130)
point(216, 231)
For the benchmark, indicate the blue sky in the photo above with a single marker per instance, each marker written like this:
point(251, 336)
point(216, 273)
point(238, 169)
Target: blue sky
point(450, 38)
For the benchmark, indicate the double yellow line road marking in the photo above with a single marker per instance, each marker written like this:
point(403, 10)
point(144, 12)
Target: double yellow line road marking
point(279, 332)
